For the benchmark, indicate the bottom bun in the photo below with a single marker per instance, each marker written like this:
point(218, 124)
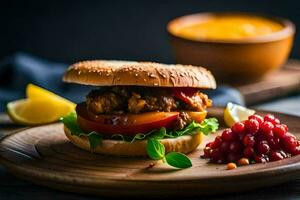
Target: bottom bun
point(184, 144)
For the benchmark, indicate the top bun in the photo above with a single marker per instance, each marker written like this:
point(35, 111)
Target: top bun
point(110, 73)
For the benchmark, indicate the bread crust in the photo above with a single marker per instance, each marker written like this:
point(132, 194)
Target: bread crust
point(150, 74)
point(184, 144)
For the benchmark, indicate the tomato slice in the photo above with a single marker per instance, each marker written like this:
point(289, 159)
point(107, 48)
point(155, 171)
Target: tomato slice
point(185, 94)
point(125, 124)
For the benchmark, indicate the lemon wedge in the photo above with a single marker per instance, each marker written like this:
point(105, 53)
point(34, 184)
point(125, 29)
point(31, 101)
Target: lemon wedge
point(35, 92)
point(236, 113)
point(40, 107)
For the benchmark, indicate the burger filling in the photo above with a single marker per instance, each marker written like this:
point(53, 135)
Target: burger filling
point(137, 113)
point(139, 100)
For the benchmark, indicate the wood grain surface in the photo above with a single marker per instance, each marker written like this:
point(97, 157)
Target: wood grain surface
point(277, 84)
point(43, 155)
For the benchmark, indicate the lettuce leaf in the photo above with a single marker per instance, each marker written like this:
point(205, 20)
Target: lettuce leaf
point(70, 121)
point(207, 126)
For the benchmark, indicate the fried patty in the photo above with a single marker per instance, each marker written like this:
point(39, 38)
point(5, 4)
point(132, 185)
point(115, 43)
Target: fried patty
point(141, 99)
point(135, 100)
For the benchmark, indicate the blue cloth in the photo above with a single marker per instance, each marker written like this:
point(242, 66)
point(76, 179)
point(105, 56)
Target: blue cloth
point(22, 68)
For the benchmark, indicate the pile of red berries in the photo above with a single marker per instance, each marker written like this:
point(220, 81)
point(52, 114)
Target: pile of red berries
point(257, 139)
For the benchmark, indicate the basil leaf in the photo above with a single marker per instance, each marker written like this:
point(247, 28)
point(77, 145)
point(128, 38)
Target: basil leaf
point(70, 121)
point(159, 134)
point(155, 149)
point(94, 139)
point(178, 160)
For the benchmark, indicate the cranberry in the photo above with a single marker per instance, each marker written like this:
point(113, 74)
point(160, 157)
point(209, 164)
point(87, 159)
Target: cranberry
point(208, 144)
point(275, 155)
point(296, 151)
point(276, 121)
point(248, 152)
point(254, 140)
point(263, 147)
point(236, 147)
point(286, 127)
point(252, 126)
point(279, 130)
point(224, 147)
point(291, 135)
point(289, 142)
point(238, 127)
point(259, 137)
point(248, 140)
point(261, 158)
point(257, 118)
point(272, 119)
point(228, 135)
point(269, 134)
point(207, 152)
point(266, 127)
point(216, 154)
point(274, 143)
point(233, 157)
point(217, 142)
point(241, 136)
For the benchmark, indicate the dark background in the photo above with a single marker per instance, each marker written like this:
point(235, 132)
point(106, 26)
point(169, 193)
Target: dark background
point(68, 31)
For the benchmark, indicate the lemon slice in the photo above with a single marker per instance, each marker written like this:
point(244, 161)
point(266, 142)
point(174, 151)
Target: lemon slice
point(40, 107)
point(36, 111)
point(35, 92)
point(236, 113)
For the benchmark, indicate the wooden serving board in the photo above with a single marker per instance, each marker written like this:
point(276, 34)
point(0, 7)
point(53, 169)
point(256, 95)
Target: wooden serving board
point(276, 84)
point(43, 155)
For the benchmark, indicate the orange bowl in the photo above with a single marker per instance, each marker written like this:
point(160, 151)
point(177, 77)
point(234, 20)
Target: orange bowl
point(241, 60)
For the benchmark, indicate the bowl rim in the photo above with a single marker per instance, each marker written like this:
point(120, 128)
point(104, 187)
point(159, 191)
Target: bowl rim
point(287, 31)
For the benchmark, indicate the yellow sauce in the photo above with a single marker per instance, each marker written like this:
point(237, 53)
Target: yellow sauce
point(229, 28)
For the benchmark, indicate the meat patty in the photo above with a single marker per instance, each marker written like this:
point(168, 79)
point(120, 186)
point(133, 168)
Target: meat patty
point(107, 102)
point(141, 99)
point(182, 120)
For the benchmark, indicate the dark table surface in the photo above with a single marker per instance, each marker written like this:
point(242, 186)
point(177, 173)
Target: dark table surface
point(14, 188)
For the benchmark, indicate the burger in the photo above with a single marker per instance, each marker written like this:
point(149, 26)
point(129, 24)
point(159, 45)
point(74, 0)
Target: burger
point(140, 108)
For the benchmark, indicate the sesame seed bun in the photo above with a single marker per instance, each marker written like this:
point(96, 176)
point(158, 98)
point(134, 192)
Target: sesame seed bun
point(110, 73)
point(184, 144)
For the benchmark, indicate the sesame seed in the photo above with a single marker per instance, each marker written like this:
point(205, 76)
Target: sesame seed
point(136, 75)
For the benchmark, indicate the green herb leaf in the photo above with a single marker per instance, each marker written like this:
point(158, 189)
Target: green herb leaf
point(155, 149)
point(94, 139)
point(159, 134)
point(70, 121)
point(209, 125)
point(178, 160)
